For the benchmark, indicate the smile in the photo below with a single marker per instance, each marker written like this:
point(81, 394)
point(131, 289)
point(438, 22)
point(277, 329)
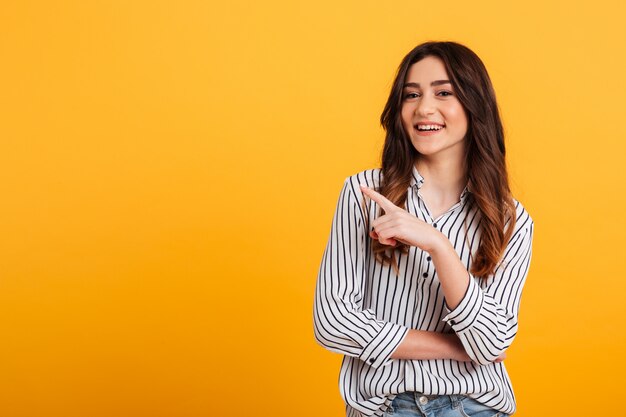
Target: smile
point(427, 128)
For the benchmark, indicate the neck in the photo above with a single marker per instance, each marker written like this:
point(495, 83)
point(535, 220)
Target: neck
point(443, 176)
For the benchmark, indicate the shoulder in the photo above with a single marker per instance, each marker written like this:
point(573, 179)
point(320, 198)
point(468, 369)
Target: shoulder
point(370, 178)
point(351, 191)
point(523, 221)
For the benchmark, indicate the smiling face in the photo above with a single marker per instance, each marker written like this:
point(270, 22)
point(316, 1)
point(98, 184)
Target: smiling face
point(432, 115)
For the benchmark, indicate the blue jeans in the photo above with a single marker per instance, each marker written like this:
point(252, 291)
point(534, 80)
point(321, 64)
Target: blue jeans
point(414, 404)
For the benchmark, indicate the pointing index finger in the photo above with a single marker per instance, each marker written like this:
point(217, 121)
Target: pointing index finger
point(380, 199)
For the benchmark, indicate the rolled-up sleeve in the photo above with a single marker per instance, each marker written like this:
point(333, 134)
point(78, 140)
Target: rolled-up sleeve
point(486, 319)
point(340, 323)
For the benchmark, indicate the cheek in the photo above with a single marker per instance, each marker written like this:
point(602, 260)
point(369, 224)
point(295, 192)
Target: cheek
point(407, 117)
point(457, 113)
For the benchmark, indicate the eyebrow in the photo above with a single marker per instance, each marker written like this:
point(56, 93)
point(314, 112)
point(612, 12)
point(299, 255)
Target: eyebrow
point(434, 83)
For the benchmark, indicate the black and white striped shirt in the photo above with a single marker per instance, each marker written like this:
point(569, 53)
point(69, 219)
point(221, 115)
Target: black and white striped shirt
point(363, 310)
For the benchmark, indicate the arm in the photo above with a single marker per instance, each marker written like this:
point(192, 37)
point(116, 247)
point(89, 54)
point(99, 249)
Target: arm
point(421, 344)
point(340, 323)
point(485, 318)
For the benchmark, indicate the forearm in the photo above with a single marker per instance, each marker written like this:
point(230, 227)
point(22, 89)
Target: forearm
point(485, 326)
point(453, 275)
point(421, 344)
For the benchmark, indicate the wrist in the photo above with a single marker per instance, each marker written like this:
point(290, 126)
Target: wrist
point(440, 245)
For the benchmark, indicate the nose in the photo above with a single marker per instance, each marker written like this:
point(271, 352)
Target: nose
point(425, 106)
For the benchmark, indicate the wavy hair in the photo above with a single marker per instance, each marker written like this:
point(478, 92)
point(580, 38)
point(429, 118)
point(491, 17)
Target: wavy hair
point(485, 151)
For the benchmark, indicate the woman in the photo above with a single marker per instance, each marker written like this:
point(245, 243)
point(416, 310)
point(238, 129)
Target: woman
point(420, 282)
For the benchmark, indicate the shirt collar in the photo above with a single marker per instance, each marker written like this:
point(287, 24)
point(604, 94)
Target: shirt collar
point(417, 181)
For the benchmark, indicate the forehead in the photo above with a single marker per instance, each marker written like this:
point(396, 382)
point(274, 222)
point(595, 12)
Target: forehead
point(426, 70)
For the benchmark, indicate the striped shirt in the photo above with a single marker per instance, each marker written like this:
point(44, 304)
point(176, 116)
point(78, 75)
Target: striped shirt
point(363, 310)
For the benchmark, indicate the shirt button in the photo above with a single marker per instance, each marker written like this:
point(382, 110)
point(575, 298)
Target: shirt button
point(452, 322)
point(434, 224)
point(425, 274)
point(423, 400)
point(372, 360)
point(429, 259)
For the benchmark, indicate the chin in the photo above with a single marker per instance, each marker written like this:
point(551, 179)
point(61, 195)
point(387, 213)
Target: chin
point(425, 150)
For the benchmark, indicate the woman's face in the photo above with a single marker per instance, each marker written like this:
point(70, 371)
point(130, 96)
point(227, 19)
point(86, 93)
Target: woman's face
point(432, 115)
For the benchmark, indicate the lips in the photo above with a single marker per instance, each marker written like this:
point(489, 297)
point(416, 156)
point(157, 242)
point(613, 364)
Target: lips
point(428, 128)
point(429, 125)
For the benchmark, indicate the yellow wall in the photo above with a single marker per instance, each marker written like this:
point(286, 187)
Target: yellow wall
point(169, 170)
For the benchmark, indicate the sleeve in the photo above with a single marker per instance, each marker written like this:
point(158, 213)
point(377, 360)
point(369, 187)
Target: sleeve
point(486, 318)
point(340, 323)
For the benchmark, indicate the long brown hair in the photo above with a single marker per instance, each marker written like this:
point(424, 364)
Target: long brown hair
point(485, 151)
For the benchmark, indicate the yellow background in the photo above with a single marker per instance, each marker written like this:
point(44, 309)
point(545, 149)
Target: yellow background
point(169, 171)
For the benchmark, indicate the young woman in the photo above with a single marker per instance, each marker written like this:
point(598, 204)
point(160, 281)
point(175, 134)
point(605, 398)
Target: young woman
point(420, 282)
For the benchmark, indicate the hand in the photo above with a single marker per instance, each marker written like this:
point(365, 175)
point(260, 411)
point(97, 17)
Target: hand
point(398, 225)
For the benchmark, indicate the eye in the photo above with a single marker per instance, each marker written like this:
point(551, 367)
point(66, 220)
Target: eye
point(411, 95)
point(444, 93)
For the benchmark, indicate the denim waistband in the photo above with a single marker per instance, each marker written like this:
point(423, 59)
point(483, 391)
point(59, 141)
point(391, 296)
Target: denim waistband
point(426, 401)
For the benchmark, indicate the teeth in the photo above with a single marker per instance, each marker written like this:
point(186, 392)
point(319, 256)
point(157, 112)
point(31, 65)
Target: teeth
point(429, 127)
